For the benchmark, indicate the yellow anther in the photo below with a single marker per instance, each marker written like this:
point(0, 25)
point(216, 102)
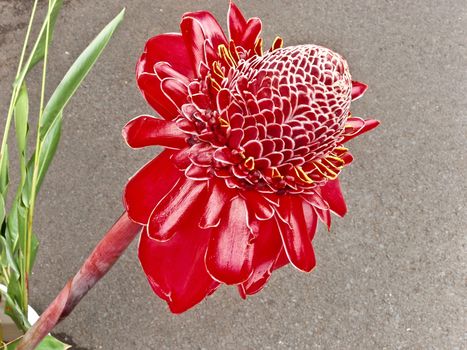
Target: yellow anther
point(277, 44)
point(249, 163)
point(341, 149)
point(259, 47)
point(276, 173)
point(337, 159)
point(302, 175)
point(224, 123)
point(215, 84)
point(324, 170)
point(216, 68)
point(225, 54)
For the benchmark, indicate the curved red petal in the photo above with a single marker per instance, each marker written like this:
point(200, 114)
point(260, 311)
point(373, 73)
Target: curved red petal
point(197, 27)
point(357, 126)
point(258, 205)
point(149, 185)
point(229, 254)
point(176, 269)
point(325, 216)
point(267, 247)
point(151, 88)
point(332, 194)
point(219, 195)
point(295, 233)
point(170, 48)
point(183, 205)
point(243, 33)
point(358, 89)
point(146, 130)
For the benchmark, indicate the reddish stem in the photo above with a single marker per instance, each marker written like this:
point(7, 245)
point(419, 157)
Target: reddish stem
point(102, 258)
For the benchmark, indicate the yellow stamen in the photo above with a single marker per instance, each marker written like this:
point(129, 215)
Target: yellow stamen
point(324, 170)
point(276, 173)
point(302, 175)
point(224, 123)
point(225, 54)
point(337, 159)
point(277, 44)
point(259, 47)
point(215, 84)
point(216, 68)
point(249, 163)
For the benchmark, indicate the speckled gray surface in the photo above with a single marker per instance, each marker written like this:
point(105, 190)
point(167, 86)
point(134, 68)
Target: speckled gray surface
point(391, 275)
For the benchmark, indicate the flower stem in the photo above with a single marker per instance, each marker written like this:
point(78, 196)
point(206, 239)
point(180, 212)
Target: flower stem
point(99, 262)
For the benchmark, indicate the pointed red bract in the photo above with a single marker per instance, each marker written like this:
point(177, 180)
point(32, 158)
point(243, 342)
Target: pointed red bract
point(146, 131)
point(258, 147)
point(149, 185)
point(332, 194)
point(229, 254)
point(176, 269)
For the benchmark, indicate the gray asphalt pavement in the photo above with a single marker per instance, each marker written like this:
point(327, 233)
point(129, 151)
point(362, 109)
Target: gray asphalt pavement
point(390, 275)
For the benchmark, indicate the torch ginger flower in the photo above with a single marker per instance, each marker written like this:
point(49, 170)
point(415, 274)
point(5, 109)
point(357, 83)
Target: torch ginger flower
point(254, 144)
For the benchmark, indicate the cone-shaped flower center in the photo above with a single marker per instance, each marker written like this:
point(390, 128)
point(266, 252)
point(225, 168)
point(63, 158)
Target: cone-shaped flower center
point(275, 122)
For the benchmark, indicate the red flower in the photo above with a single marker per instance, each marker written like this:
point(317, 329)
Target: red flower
point(254, 145)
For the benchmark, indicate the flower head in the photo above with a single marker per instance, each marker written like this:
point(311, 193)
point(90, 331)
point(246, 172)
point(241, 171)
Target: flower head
point(254, 146)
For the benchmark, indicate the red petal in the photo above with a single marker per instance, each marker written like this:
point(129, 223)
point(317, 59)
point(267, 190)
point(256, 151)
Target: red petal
point(258, 205)
point(243, 33)
point(181, 205)
point(176, 269)
point(294, 232)
point(229, 254)
point(357, 126)
point(332, 194)
point(324, 216)
point(145, 131)
point(220, 194)
point(197, 27)
point(358, 89)
point(168, 48)
point(149, 185)
point(151, 88)
point(267, 247)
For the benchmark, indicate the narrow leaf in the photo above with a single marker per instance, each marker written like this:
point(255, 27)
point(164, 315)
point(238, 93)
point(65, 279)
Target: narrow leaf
point(10, 259)
point(49, 343)
point(34, 247)
point(2, 209)
point(38, 49)
point(48, 148)
point(21, 118)
point(77, 73)
point(4, 172)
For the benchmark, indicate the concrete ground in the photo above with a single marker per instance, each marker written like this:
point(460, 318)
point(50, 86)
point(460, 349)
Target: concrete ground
point(391, 275)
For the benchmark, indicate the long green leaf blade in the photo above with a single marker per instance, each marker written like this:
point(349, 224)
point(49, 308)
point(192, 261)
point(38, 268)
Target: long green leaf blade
point(49, 343)
point(4, 172)
point(77, 73)
point(38, 50)
point(48, 148)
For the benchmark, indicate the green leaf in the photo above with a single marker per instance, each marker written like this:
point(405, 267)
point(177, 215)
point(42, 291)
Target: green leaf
point(38, 50)
point(38, 54)
point(21, 119)
point(76, 74)
point(48, 148)
point(8, 254)
point(48, 343)
point(13, 310)
point(2, 209)
point(4, 172)
point(34, 247)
